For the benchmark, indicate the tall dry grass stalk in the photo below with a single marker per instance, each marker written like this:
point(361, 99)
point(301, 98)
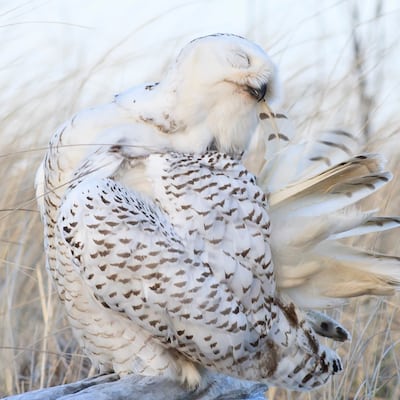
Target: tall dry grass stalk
point(36, 345)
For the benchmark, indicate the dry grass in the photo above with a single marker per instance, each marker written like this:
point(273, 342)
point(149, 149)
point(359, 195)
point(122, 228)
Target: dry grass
point(36, 345)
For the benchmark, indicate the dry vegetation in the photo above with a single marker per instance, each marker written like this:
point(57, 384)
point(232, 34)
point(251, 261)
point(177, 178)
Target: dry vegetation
point(36, 345)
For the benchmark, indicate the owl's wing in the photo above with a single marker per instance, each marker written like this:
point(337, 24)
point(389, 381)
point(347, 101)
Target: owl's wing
point(314, 186)
point(182, 273)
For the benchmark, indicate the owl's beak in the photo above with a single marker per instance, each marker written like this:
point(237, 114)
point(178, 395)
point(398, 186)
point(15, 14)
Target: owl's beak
point(257, 92)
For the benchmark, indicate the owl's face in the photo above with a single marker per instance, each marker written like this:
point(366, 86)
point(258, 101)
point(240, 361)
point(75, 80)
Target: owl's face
point(213, 61)
point(220, 81)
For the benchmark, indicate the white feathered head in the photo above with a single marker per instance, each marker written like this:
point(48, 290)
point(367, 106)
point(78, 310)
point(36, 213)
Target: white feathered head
point(218, 82)
point(210, 97)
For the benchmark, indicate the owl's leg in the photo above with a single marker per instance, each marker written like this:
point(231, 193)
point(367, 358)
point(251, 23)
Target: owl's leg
point(326, 326)
point(189, 373)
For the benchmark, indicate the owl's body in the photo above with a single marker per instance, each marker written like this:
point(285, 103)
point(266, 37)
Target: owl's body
point(178, 275)
point(163, 251)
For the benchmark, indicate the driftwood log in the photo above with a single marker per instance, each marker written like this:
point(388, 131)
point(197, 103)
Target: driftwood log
point(111, 387)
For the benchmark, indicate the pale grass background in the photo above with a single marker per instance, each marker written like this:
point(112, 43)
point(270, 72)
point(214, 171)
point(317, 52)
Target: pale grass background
point(60, 56)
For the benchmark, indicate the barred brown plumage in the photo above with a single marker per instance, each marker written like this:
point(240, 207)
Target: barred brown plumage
point(170, 257)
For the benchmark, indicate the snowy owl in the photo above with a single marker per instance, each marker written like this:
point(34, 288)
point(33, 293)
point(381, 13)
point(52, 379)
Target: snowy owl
point(171, 256)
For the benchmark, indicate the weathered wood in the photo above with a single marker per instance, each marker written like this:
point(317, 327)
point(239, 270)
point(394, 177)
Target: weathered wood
point(110, 387)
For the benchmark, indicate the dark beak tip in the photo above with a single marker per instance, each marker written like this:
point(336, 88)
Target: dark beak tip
point(258, 92)
point(262, 92)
